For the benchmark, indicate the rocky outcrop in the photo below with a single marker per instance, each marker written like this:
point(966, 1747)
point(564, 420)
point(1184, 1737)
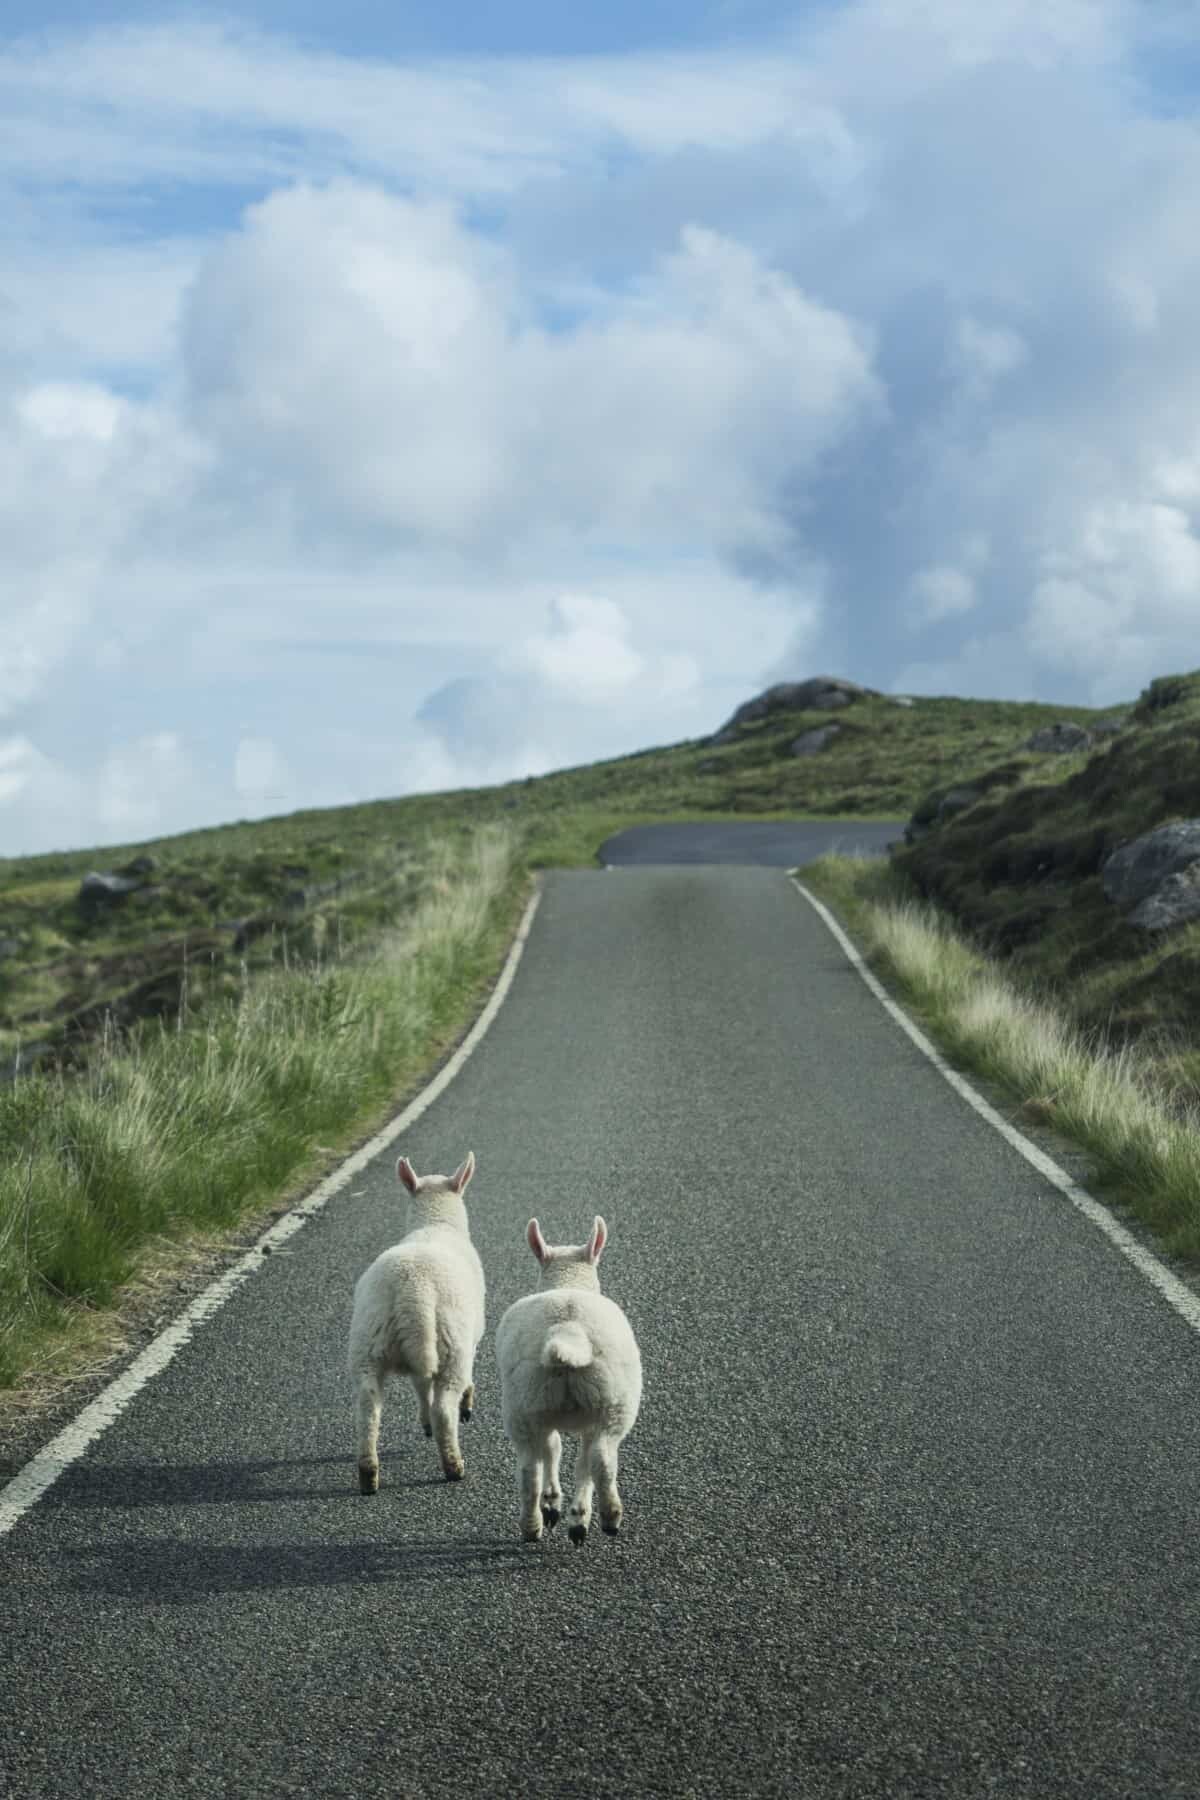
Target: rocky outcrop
point(1158, 875)
point(98, 890)
point(936, 808)
point(810, 742)
point(1173, 903)
point(1061, 738)
point(822, 693)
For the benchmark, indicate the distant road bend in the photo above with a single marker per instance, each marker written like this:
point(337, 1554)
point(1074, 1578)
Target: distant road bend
point(907, 1509)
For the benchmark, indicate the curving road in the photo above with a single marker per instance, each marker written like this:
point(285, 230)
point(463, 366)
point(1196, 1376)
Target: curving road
point(908, 1508)
point(772, 843)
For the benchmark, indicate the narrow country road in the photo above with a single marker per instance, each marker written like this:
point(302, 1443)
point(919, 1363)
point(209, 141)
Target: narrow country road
point(909, 1508)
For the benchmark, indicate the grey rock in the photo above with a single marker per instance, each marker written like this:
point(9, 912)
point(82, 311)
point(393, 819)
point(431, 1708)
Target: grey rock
point(26, 1058)
point(140, 865)
point(822, 693)
point(1110, 726)
point(810, 742)
point(956, 800)
point(1133, 872)
point(98, 889)
point(1061, 737)
point(1173, 902)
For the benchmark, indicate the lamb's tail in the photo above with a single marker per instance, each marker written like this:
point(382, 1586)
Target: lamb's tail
point(567, 1347)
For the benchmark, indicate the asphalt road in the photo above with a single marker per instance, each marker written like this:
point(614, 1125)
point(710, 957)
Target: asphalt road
point(909, 1508)
point(774, 843)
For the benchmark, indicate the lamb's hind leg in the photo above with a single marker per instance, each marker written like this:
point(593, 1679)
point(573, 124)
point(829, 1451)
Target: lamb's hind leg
point(370, 1405)
point(604, 1468)
point(529, 1488)
point(444, 1412)
point(552, 1496)
point(466, 1405)
point(423, 1389)
point(581, 1500)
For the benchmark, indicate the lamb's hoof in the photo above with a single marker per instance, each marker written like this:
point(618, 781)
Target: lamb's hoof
point(368, 1478)
point(465, 1415)
point(531, 1533)
point(428, 1430)
point(550, 1515)
point(610, 1527)
point(578, 1535)
point(454, 1471)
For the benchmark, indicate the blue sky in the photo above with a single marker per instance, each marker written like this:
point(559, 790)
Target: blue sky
point(412, 398)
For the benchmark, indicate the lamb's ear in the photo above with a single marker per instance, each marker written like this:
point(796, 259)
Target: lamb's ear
point(598, 1239)
point(407, 1174)
point(463, 1173)
point(535, 1240)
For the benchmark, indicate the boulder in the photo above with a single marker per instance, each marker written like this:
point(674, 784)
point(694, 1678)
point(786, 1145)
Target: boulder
point(936, 808)
point(1134, 871)
point(1061, 737)
point(1173, 902)
point(1110, 726)
point(96, 889)
point(822, 693)
point(809, 742)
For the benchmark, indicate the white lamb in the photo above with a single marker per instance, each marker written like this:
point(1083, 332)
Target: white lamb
point(419, 1311)
point(568, 1362)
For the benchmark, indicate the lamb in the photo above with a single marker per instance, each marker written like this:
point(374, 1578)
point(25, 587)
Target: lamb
point(568, 1362)
point(419, 1311)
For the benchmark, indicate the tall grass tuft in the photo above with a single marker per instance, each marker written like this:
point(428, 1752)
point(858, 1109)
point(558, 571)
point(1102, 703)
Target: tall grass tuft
point(1145, 1144)
point(192, 1125)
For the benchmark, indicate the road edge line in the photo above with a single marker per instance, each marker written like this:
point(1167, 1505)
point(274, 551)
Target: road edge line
point(1175, 1292)
point(44, 1468)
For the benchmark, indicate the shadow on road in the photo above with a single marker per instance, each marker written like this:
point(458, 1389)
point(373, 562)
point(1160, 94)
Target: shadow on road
point(126, 1485)
point(186, 1571)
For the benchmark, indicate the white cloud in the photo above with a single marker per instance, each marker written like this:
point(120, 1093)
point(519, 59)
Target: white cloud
point(261, 775)
point(586, 653)
point(572, 396)
point(940, 593)
point(373, 356)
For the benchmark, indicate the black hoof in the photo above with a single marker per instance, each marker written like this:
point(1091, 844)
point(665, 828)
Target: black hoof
point(610, 1528)
point(551, 1516)
point(368, 1481)
point(465, 1415)
point(578, 1535)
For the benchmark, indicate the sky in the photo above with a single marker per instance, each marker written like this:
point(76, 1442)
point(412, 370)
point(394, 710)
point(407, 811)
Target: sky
point(396, 399)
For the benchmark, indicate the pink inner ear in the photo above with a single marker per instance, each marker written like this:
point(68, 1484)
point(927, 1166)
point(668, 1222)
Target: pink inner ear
point(407, 1174)
point(463, 1173)
point(597, 1240)
point(535, 1240)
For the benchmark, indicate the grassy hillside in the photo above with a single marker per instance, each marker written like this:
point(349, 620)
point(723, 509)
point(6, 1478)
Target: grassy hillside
point(209, 907)
point(242, 1000)
point(1020, 868)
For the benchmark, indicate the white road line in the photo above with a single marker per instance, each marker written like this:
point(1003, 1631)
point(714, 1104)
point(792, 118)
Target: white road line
point(31, 1482)
point(1173, 1291)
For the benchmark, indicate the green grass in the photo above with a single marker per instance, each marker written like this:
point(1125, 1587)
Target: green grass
point(273, 984)
point(1020, 872)
point(1143, 1140)
point(64, 967)
point(195, 1123)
